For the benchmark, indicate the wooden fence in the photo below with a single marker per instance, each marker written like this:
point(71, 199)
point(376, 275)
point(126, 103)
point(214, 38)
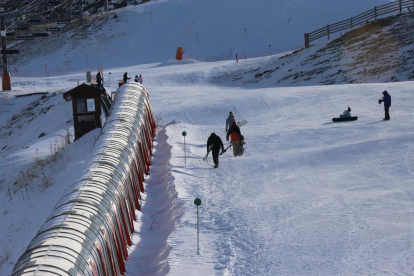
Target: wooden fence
point(361, 19)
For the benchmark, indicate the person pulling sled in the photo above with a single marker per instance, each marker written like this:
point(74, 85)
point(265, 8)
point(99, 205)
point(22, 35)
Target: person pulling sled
point(214, 144)
point(234, 133)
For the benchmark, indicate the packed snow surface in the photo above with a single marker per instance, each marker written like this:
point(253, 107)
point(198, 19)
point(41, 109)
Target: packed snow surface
point(308, 197)
point(206, 29)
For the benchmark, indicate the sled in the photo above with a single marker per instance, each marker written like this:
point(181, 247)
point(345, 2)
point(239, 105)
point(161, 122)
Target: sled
point(344, 119)
point(242, 123)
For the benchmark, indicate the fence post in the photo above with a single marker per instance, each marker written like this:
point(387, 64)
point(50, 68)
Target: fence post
point(399, 3)
point(237, 58)
point(327, 30)
point(375, 13)
point(307, 40)
point(352, 24)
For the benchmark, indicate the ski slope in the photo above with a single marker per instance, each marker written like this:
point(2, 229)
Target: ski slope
point(309, 197)
point(151, 32)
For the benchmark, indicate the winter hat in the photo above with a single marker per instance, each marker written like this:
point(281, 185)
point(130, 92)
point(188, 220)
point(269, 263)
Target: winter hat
point(231, 113)
point(349, 109)
point(234, 123)
point(385, 92)
point(213, 134)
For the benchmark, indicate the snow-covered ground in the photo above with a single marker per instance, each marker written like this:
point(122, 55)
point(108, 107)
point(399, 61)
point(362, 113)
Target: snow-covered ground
point(151, 32)
point(309, 197)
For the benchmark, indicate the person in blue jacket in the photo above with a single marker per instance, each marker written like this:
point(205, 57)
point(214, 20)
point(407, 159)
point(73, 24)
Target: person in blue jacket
point(346, 114)
point(387, 103)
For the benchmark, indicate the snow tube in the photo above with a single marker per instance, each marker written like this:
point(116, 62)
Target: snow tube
point(344, 119)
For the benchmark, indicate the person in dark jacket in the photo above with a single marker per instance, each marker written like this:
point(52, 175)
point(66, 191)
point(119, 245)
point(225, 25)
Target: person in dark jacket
point(234, 133)
point(229, 121)
point(99, 80)
point(387, 103)
point(214, 144)
point(126, 77)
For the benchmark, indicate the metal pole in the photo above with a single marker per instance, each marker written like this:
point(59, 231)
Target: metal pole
point(184, 133)
point(105, 5)
point(198, 239)
point(306, 40)
point(4, 46)
point(81, 10)
point(197, 202)
point(375, 13)
point(400, 6)
point(6, 82)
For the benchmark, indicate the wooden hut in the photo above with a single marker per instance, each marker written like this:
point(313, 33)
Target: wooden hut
point(91, 106)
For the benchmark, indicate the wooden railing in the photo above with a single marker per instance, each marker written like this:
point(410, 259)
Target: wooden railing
point(361, 19)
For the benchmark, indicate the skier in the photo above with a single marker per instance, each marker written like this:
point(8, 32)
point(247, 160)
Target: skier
point(126, 77)
point(99, 80)
point(140, 79)
point(214, 144)
point(387, 103)
point(346, 114)
point(136, 78)
point(229, 121)
point(234, 132)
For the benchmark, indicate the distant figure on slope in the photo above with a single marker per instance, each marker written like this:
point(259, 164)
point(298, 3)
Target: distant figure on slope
point(346, 114)
point(214, 144)
point(140, 79)
point(387, 103)
point(234, 133)
point(99, 80)
point(126, 77)
point(229, 121)
point(136, 78)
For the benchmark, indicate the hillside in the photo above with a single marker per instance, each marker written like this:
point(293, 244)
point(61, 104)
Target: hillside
point(151, 32)
point(381, 51)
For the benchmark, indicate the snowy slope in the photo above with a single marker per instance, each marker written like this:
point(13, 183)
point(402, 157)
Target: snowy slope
point(151, 32)
point(309, 197)
point(381, 51)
